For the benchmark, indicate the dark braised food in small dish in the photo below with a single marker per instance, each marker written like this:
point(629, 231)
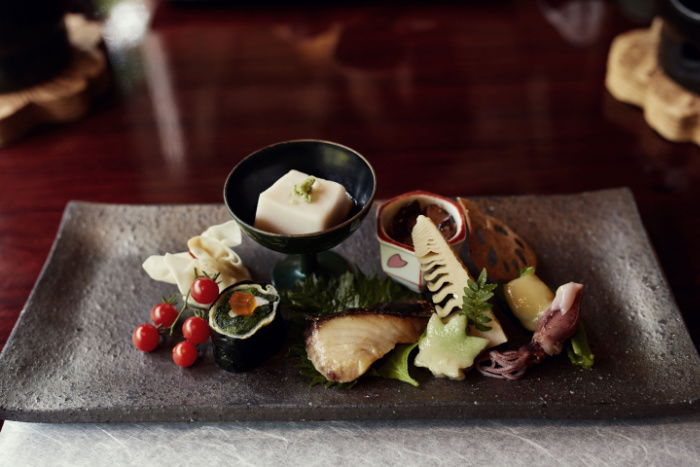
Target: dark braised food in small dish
point(404, 220)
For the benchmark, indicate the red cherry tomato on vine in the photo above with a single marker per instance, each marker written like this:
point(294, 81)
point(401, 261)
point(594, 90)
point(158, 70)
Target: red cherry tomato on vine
point(195, 330)
point(145, 337)
point(204, 290)
point(164, 314)
point(184, 354)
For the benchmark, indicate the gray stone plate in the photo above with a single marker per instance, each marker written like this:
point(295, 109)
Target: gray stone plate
point(70, 357)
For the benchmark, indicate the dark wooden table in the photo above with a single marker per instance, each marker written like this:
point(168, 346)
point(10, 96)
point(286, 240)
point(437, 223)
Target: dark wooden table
point(478, 98)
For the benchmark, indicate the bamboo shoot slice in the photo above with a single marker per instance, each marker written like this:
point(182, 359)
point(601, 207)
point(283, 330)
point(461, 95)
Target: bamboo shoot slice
point(446, 277)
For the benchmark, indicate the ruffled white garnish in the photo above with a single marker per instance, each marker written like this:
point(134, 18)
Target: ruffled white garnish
point(209, 252)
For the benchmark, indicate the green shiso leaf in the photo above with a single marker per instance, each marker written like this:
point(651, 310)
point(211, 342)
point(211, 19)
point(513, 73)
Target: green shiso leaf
point(317, 297)
point(395, 365)
point(578, 350)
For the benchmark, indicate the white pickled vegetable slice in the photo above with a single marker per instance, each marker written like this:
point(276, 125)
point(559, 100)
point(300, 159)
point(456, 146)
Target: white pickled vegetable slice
point(228, 233)
point(182, 270)
point(214, 257)
point(158, 270)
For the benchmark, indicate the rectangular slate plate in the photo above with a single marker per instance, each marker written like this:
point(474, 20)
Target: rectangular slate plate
point(70, 357)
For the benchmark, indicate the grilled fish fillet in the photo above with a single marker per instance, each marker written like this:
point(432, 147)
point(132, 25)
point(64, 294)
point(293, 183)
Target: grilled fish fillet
point(343, 346)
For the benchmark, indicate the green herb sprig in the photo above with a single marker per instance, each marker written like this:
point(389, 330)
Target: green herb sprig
point(476, 301)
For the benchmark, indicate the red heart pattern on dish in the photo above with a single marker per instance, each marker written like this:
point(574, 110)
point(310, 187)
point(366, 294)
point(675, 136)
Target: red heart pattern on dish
point(395, 261)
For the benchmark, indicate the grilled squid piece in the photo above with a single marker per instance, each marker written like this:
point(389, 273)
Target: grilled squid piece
point(556, 324)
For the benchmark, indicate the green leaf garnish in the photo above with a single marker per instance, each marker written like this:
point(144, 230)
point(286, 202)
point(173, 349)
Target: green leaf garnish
point(323, 296)
point(395, 364)
point(476, 301)
point(578, 350)
point(304, 189)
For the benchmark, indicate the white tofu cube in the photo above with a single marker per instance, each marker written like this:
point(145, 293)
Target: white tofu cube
point(282, 211)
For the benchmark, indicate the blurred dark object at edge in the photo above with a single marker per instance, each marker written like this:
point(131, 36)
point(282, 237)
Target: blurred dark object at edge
point(33, 42)
point(679, 48)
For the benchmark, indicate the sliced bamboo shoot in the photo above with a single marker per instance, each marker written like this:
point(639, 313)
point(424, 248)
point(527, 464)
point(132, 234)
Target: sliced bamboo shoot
point(446, 277)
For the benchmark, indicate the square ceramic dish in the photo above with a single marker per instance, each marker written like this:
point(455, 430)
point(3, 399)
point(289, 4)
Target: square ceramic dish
point(70, 358)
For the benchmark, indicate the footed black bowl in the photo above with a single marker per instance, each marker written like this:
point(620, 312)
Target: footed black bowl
point(323, 159)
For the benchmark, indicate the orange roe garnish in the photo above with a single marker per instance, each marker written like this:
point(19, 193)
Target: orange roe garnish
point(242, 304)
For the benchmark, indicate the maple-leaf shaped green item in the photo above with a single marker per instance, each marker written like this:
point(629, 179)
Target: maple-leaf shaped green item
point(446, 349)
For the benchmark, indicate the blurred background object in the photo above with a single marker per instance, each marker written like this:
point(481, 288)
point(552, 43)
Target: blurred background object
point(33, 42)
point(578, 21)
point(679, 48)
point(51, 66)
point(639, 11)
point(658, 69)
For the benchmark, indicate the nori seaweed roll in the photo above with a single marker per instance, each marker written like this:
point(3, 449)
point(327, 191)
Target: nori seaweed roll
point(246, 327)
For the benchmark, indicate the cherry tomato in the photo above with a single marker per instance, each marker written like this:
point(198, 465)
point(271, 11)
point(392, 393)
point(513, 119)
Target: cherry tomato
point(145, 337)
point(163, 314)
point(204, 290)
point(195, 330)
point(184, 354)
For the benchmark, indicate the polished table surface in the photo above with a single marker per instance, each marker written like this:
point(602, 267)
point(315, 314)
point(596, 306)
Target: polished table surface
point(473, 98)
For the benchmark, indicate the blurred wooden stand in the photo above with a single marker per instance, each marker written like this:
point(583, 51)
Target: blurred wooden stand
point(634, 77)
point(68, 95)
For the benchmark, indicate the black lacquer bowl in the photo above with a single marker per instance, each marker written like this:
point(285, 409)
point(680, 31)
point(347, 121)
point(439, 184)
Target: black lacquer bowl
point(323, 159)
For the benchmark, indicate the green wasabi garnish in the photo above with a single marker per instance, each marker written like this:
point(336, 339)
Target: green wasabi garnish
point(304, 189)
